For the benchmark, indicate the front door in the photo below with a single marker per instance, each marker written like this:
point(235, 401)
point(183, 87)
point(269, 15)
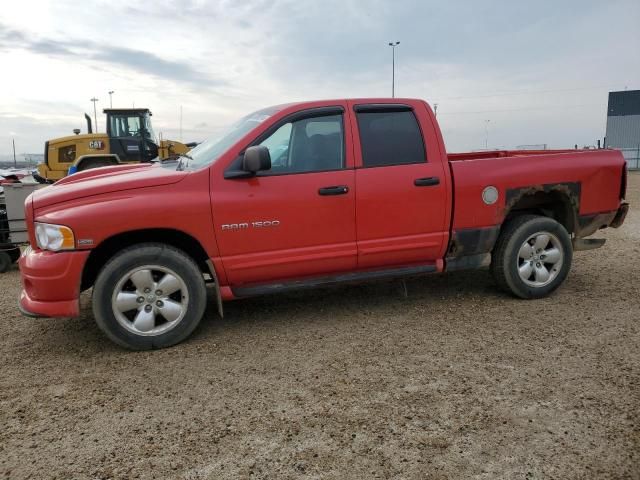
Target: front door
point(298, 219)
point(401, 201)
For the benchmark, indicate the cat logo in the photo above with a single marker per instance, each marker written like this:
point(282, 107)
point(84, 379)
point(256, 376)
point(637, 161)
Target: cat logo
point(96, 144)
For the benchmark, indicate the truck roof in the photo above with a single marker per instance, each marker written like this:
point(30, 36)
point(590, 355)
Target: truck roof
point(334, 101)
point(359, 100)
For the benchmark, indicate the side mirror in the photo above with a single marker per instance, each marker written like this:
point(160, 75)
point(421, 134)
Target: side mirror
point(256, 158)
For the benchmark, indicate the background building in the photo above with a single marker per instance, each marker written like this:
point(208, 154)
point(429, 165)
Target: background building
point(623, 125)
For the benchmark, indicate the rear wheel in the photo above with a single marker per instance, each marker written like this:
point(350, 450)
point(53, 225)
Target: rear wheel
point(532, 256)
point(149, 296)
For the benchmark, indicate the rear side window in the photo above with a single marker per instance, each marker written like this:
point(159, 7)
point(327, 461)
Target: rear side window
point(390, 138)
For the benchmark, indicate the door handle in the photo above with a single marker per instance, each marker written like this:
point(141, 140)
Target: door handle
point(426, 182)
point(336, 190)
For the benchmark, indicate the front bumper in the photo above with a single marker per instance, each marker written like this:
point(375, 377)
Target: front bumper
point(51, 282)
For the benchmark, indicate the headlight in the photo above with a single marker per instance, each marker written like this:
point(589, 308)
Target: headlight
point(54, 237)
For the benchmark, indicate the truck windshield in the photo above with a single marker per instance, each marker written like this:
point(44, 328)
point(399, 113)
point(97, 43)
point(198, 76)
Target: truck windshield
point(210, 150)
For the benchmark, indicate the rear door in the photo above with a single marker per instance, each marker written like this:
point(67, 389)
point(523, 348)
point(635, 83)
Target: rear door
point(297, 219)
point(402, 194)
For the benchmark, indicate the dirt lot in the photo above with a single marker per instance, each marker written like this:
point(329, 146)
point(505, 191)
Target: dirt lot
point(455, 381)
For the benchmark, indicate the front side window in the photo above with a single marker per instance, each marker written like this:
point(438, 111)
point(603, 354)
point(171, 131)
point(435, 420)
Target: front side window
point(278, 145)
point(390, 138)
point(309, 145)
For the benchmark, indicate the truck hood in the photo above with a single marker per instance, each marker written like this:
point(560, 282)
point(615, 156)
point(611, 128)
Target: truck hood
point(103, 180)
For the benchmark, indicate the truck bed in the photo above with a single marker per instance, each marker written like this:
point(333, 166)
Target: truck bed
point(589, 173)
point(460, 157)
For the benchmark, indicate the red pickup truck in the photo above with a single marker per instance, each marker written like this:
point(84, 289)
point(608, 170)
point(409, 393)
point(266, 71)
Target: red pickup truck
point(305, 195)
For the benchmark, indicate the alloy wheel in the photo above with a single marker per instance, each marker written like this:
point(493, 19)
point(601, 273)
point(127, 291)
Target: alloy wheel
point(540, 259)
point(150, 300)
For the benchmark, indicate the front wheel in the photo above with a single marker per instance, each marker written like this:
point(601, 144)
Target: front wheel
point(532, 256)
point(149, 296)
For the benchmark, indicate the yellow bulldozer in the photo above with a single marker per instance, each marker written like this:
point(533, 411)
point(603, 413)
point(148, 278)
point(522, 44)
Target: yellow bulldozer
point(129, 139)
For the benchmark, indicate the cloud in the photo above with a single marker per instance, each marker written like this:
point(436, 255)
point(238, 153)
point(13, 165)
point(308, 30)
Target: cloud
point(24, 128)
point(148, 63)
point(540, 71)
point(136, 60)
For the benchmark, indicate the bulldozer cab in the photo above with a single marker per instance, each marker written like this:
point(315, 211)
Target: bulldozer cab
point(131, 136)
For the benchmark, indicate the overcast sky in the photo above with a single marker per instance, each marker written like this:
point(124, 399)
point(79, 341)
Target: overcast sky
point(539, 72)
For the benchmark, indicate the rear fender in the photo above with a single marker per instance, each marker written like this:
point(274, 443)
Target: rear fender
point(562, 199)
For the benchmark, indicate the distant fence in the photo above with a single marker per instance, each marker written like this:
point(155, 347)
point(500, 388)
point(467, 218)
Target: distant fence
point(632, 156)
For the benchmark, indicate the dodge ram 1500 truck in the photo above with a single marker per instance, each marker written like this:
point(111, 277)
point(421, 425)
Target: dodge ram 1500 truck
point(305, 195)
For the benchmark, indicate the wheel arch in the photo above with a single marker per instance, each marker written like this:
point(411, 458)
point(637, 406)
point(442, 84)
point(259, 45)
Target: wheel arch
point(110, 246)
point(560, 201)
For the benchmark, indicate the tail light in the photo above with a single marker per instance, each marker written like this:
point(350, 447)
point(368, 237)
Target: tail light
point(623, 182)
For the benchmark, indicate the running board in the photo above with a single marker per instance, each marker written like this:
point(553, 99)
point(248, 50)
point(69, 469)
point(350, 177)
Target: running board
point(588, 243)
point(264, 289)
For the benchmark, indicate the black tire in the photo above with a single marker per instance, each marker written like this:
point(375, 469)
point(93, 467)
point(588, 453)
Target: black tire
point(137, 257)
point(5, 261)
point(14, 254)
point(95, 163)
point(505, 258)
point(41, 179)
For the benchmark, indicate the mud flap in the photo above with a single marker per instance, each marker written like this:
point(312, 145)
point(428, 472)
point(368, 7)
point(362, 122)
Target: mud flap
point(216, 284)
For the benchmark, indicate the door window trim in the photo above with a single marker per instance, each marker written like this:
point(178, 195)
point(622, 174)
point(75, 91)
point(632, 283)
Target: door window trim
point(382, 107)
point(388, 108)
point(293, 117)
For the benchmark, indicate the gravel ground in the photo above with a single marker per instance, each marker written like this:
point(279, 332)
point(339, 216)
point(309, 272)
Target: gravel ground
point(456, 380)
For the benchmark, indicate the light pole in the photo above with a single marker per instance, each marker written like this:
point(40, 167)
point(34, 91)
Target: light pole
point(435, 110)
point(486, 134)
point(393, 46)
point(111, 92)
point(95, 115)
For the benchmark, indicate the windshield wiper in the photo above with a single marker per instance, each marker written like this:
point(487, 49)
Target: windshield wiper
point(181, 163)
